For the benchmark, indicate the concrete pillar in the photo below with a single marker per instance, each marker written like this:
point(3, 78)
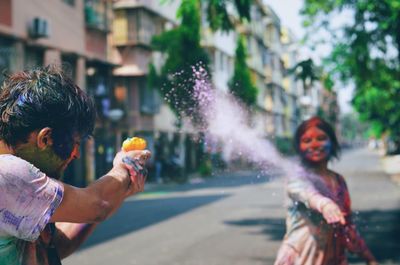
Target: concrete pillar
point(17, 62)
point(81, 73)
point(90, 174)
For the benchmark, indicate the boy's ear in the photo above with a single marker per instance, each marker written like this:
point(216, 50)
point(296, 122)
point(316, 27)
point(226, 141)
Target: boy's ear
point(44, 138)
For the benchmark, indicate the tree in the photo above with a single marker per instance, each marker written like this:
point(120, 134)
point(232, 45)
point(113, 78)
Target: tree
point(367, 53)
point(217, 12)
point(241, 85)
point(183, 51)
point(218, 16)
point(181, 46)
point(307, 72)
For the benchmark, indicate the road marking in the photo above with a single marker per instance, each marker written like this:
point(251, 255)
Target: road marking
point(152, 194)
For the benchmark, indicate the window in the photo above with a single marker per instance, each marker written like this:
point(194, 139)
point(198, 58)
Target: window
point(149, 98)
point(69, 65)
point(142, 26)
point(33, 58)
point(69, 2)
point(7, 52)
point(96, 14)
point(249, 46)
point(221, 62)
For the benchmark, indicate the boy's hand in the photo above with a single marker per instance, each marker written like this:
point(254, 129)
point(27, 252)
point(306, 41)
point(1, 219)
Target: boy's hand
point(133, 162)
point(332, 214)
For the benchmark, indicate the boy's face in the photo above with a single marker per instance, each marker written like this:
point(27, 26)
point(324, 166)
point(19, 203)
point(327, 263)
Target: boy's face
point(315, 145)
point(47, 160)
point(54, 165)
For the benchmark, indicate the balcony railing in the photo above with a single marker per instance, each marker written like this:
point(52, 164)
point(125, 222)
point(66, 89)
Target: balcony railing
point(96, 15)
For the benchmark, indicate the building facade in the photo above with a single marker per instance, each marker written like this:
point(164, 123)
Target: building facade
point(106, 48)
point(73, 34)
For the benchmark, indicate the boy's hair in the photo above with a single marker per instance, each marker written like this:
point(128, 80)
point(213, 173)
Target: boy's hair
point(45, 97)
point(322, 125)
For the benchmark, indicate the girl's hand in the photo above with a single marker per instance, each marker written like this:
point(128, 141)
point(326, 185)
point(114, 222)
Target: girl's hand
point(332, 214)
point(287, 255)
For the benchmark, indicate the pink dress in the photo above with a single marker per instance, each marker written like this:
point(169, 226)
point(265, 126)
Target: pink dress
point(309, 239)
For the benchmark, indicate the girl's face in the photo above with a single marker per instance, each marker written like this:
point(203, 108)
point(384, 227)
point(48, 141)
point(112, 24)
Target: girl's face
point(315, 145)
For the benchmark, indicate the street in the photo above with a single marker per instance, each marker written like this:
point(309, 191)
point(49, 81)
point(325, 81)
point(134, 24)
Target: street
point(237, 219)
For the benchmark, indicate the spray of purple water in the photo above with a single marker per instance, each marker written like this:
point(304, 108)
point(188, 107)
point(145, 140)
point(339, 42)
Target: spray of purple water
point(226, 121)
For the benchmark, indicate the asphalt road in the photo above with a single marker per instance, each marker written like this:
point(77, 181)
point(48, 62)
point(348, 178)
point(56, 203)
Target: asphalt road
point(236, 219)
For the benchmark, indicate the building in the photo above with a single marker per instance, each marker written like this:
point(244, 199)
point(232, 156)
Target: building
point(106, 47)
point(72, 33)
point(275, 70)
point(290, 84)
point(136, 23)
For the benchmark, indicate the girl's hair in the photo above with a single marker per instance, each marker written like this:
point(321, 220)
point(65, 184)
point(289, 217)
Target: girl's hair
point(45, 97)
point(322, 125)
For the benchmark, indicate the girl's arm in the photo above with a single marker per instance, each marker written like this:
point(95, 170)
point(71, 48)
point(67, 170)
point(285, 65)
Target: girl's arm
point(303, 191)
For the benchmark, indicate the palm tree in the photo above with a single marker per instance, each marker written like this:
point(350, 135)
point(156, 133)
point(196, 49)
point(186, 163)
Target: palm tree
point(307, 72)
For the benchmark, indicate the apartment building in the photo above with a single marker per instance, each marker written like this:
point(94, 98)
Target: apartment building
point(274, 71)
point(291, 86)
point(72, 33)
point(136, 23)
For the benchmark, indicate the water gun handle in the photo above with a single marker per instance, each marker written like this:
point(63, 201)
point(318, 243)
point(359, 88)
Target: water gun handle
point(131, 144)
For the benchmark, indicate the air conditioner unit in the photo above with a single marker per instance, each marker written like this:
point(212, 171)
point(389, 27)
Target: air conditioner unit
point(39, 28)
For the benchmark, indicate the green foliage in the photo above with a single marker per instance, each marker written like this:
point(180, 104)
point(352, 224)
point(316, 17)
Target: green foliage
point(376, 130)
point(328, 82)
point(330, 115)
point(306, 71)
point(152, 77)
point(182, 48)
point(217, 14)
point(285, 145)
point(366, 53)
point(205, 168)
point(241, 85)
point(183, 51)
point(352, 129)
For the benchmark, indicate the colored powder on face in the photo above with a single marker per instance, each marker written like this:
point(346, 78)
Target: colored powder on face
point(328, 148)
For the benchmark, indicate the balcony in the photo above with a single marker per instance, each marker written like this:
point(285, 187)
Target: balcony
point(96, 15)
point(136, 27)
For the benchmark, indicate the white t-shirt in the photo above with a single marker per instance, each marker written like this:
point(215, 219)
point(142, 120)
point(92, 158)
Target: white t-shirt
point(28, 198)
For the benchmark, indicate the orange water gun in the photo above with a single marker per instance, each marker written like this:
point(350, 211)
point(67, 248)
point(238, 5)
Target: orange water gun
point(134, 143)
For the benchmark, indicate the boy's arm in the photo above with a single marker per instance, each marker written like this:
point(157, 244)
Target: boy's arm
point(70, 236)
point(97, 201)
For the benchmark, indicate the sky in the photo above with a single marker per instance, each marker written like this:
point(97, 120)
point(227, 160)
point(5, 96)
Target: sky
point(288, 12)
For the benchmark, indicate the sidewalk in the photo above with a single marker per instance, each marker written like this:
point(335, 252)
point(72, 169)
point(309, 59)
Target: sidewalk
point(391, 166)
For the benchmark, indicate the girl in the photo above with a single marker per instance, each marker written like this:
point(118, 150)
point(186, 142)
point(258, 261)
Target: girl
point(319, 227)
